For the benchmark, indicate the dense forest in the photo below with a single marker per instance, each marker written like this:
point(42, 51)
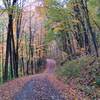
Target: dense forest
point(67, 31)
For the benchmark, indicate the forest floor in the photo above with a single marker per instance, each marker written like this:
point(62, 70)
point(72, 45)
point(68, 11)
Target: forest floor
point(43, 86)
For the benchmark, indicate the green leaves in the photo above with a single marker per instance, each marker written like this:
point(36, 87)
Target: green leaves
point(94, 9)
point(50, 36)
point(97, 80)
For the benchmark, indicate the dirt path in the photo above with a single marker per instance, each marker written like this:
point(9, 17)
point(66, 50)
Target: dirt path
point(40, 87)
point(50, 66)
point(37, 87)
point(43, 86)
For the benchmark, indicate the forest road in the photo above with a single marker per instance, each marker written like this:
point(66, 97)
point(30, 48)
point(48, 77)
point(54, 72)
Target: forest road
point(41, 87)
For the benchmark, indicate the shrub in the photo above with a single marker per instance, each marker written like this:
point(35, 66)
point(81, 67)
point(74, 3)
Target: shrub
point(73, 68)
point(70, 69)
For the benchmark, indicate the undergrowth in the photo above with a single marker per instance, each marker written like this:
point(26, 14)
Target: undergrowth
point(85, 72)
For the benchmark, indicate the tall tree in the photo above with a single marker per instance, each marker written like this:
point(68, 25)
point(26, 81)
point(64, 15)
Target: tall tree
point(10, 45)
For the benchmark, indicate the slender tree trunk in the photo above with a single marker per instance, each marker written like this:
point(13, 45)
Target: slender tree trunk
point(11, 62)
point(93, 35)
point(8, 44)
point(23, 65)
point(14, 51)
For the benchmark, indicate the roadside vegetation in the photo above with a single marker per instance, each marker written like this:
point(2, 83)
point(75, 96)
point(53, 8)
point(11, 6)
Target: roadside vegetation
point(84, 74)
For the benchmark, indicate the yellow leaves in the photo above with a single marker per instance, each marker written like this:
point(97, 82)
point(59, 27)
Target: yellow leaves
point(72, 4)
point(57, 29)
point(49, 21)
point(48, 2)
point(58, 26)
point(41, 10)
point(75, 21)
